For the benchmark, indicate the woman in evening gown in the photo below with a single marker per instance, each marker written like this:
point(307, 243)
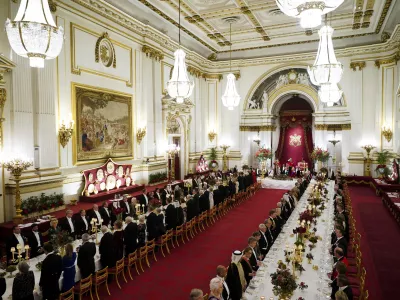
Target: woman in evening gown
point(69, 269)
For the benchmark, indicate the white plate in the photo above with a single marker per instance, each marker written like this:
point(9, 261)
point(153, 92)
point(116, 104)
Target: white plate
point(91, 188)
point(128, 181)
point(91, 177)
point(120, 171)
point(118, 183)
point(102, 186)
point(127, 171)
point(111, 182)
point(100, 174)
point(110, 167)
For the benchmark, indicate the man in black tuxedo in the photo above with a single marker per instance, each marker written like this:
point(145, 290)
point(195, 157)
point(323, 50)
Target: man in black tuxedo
point(106, 248)
point(344, 286)
point(252, 243)
point(241, 181)
point(170, 215)
point(263, 242)
point(144, 199)
point(128, 211)
point(157, 194)
point(35, 241)
point(15, 239)
point(69, 224)
point(196, 199)
point(50, 273)
point(221, 274)
point(204, 201)
point(340, 242)
point(268, 233)
point(82, 224)
point(106, 214)
point(86, 256)
point(130, 236)
point(95, 214)
point(190, 208)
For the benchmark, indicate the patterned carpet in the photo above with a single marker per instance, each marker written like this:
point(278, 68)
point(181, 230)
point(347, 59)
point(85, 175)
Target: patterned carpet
point(194, 264)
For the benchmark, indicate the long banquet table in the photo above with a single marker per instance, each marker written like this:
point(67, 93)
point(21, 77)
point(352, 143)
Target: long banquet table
point(317, 280)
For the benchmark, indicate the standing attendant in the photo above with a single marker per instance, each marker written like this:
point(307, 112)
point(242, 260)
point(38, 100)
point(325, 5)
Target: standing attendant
point(50, 273)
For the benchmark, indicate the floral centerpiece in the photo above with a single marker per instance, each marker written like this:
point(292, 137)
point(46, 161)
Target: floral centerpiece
point(303, 286)
point(284, 283)
point(154, 203)
point(306, 216)
point(263, 154)
point(60, 240)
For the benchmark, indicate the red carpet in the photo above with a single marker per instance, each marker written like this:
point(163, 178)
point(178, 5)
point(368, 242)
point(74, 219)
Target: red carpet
point(380, 243)
point(194, 264)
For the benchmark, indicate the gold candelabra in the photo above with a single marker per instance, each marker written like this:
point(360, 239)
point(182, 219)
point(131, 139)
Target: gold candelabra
point(140, 134)
point(65, 131)
point(139, 209)
point(18, 252)
point(224, 147)
point(95, 229)
point(368, 149)
point(387, 133)
point(212, 135)
point(15, 166)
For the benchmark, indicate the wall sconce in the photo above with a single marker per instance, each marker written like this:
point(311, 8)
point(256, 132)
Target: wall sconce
point(257, 140)
point(387, 133)
point(212, 135)
point(140, 134)
point(65, 131)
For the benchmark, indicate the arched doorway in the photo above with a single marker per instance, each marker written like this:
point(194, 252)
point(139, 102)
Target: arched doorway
point(294, 124)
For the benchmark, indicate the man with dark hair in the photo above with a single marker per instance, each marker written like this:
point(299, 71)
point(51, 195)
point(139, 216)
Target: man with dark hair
point(82, 223)
point(170, 215)
point(344, 286)
point(106, 214)
point(339, 257)
point(144, 199)
point(35, 241)
point(50, 273)
point(252, 243)
point(340, 240)
point(130, 236)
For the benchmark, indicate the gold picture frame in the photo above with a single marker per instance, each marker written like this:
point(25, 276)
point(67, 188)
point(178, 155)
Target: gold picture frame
point(103, 124)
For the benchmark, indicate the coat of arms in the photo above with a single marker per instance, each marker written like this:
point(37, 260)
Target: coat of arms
point(295, 140)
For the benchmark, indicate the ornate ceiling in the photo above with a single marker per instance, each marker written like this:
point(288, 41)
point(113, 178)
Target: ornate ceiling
point(260, 29)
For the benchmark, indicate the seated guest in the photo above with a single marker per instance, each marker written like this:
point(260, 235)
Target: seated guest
point(126, 206)
point(130, 236)
point(24, 283)
point(340, 269)
point(196, 294)
point(35, 241)
point(50, 273)
point(82, 223)
point(344, 286)
point(141, 231)
point(95, 214)
point(69, 269)
point(15, 239)
point(263, 241)
point(340, 241)
point(215, 289)
point(106, 248)
point(257, 235)
point(118, 241)
point(252, 243)
point(170, 215)
point(106, 214)
point(69, 224)
point(144, 199)
point(86, 256)
point(54, 229)
point(246, 264)
point(340, 295)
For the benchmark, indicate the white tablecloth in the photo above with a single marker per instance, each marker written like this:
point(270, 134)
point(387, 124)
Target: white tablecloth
point(269, 183)
point(317, 281)
point(32, 263)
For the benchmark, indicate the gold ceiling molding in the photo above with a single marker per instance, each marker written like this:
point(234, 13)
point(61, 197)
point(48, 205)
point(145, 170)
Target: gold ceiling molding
point(153, 53)
point(194, 71)
point(394, 59)
point(105, 51)
point(383, 15)
point(357, 64)
point(257, 128)
point(331, 127)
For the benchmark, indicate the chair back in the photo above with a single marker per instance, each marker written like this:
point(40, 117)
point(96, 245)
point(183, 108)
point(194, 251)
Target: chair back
point(150, 245)
point(85, 285)
point(143, 251)
point(68, 295)
point(119, 265)
point(179, 229)
point(100, 276)
point(132, 257)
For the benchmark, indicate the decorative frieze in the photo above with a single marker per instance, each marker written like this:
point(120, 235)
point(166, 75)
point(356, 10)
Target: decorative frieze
point(258, 128)
point(390, 60)
point(358, 64)
point(153, 53)
point(332, 127)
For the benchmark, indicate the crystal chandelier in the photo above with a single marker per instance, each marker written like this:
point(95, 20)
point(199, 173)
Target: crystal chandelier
point(326, 68)
point(329, 94)
point(231, 98)
point(34, 34)
point(309, 12)
point(180, 87)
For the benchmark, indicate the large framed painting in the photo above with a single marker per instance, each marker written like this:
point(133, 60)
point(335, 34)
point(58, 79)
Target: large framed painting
point(103, 124)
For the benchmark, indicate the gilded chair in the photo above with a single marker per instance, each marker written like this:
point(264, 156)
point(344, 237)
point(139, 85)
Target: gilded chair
point(163, 242)
point(179, 232)
point(100, 277)
point(68, 295)
point(131, 261)
point(118, 270)
point(151, 245)
point(83, 287)
point(142, 256)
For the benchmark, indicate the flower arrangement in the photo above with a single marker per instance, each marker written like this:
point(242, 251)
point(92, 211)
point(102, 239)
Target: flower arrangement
point(263, 154)
point(157, 177)
point(306, 216)
point(303, 286)
point(284, 283)
point(319, 154)
point(39, 265)
point(277, 163)
point(299, 267)
point(35, 204)
point(313, 239)
point(118, 211)
point(10, 269)
point(309, 256)
point(60, 239)
point(154, 203)
point(324, 156)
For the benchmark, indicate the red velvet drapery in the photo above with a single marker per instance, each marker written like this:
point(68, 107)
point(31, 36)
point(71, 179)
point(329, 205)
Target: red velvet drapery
point(295, 139)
